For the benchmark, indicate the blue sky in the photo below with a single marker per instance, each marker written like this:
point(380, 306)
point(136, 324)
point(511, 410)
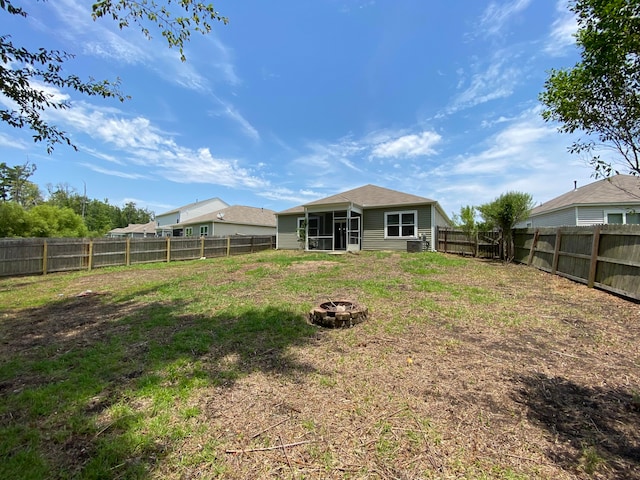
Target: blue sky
point(297, 100)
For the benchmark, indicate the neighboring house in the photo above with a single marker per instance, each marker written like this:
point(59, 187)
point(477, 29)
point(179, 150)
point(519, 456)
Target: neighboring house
point(167, 220)
point(134, 230)
point(234, 220)
point(365, 218)
point(614, 200)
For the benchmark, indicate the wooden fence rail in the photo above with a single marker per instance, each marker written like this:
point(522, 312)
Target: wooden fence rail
point(484, 244)
point(35, 256)
point(603, 256)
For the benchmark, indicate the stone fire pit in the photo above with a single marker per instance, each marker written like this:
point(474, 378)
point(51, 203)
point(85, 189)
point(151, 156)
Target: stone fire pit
point(338, 314)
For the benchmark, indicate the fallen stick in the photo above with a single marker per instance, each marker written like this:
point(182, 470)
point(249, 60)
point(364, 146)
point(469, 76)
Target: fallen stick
point(284, 450)
point(265, 449)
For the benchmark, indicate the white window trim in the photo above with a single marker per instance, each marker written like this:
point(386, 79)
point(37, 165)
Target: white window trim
point(624, 213)
point(188, 231)
point(204, 230)
point(400, 213)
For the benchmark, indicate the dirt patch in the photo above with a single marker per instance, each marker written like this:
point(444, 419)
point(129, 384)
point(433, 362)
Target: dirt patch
point(311, 267)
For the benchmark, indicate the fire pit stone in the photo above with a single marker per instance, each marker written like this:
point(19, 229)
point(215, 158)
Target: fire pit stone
point(338, 314)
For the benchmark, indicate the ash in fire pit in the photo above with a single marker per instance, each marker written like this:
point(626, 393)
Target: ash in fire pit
point(338, 314)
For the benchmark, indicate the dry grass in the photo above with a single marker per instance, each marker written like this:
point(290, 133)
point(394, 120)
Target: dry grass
point(465, 369)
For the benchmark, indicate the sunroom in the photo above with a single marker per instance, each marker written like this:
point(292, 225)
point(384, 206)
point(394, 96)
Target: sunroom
point(338, 229)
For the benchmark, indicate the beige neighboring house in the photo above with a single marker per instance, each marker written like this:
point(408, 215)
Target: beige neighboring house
point(614, 200)
point(233, 220)
point(134, 230)
point(365, 218)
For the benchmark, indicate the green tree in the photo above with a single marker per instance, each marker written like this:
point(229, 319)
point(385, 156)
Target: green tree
point(132, 214)
point(504, 213)
point(469, 225)
point(14, 220)
point(21, 69)
point(50, 221)
point(16, 187)
point(100, 217)
point(600, 95)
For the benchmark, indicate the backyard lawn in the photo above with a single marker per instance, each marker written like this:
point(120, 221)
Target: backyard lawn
point(210, 369)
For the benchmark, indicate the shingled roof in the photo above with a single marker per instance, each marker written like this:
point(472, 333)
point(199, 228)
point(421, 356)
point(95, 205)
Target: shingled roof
point(367, 196)
point(238, 214)
point(621, 189)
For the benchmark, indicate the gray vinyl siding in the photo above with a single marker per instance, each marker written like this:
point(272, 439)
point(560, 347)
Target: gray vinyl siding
point(590, 216)
point(561, 218)
point(287, 232)
point(373, 228)
point(224, 229)
point(439, 219)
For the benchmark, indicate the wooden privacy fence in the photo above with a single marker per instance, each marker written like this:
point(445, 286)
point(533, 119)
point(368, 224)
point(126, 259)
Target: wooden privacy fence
point(484, 244)
point(33, 256)
point(603, 256)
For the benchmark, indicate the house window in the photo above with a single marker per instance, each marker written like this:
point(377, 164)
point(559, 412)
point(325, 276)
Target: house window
point(188, 232)
point(204, 230)
point(401, 224)
point(620, 217)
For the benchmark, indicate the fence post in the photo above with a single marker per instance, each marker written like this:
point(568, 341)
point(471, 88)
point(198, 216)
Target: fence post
point(556, 252)
point(533, 246)
point(594, 257)
point(445, 240)
point(168, 249)
point(228, 245)
point(202, 247)
point(90, 260)
point(252, 239)
point(45, 254)
point(127, 252)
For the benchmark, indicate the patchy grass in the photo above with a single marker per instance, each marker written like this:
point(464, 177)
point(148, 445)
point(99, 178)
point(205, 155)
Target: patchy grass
point(465, 369)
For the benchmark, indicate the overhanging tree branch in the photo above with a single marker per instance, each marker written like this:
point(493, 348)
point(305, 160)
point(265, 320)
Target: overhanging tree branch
point(26, 75)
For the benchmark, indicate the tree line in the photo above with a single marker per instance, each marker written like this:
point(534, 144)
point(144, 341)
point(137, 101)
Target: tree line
point(62, 212)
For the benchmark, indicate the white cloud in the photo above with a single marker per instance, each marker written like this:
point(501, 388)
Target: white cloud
point(496, 16)
point(232, 113)
point(113, 173)
point(563, 31)
point(11, 142)
point(408, 146)
point(144, 145)
point(285, 194)
point(497, 81)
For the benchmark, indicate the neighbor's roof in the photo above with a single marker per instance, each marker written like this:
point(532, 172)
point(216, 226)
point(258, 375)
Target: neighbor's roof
point(621, 189)
point(192, 205)
point(368, 196)
point(237, 214)
point(135, 228)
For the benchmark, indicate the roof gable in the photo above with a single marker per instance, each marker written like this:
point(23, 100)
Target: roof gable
point(620, 189)
point(367, 196)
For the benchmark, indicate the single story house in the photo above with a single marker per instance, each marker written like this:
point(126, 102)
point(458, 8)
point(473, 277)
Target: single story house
point(182, 214)
point(365, 218)
point(614, 200)
point(233, 220)
point(134, 230)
